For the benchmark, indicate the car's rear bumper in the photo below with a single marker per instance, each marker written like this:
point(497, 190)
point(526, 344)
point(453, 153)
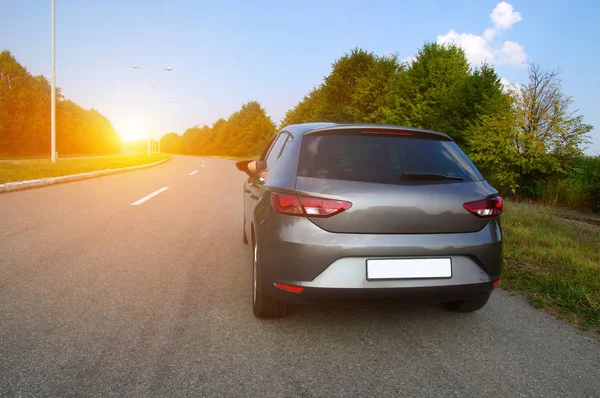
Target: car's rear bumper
point(440, 294)
point(345, 281)
point(332, 266)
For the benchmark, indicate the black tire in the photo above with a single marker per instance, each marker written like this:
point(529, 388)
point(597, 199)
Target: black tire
point(263, 306)
point(467, 305)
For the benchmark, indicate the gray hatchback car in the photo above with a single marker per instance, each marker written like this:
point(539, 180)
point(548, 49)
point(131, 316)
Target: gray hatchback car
point(360, 213)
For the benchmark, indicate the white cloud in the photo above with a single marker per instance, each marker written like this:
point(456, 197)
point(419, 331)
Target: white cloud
point(511, 53)
point(489, 34)
point(480, 48)
point(477, 49)
point(504, 17)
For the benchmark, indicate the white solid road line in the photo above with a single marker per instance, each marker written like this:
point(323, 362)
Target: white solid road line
point(193, 172)
point(150, 196)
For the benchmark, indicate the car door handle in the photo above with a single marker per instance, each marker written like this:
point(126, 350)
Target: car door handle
point(247, 190)
point(254, 195)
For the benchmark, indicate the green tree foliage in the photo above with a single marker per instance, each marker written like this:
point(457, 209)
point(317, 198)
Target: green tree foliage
point(25, 117)
point(534, 140)
point(307, 110)
point(171, 143)
point(438, 91)
point(579, 189)
point(546, 118)
point(355, 92)
point(341, 88)
point(527, 141)
point(245, 133)
point(587, 171)
point(189, 137)
point(492, 146)
point(249, 130)
point(373, 89)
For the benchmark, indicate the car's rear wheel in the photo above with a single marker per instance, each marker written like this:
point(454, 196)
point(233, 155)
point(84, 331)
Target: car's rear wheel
point(263, 305)
point(468, 305)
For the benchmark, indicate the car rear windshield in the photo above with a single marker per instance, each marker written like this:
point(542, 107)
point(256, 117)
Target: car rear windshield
point(384, 159)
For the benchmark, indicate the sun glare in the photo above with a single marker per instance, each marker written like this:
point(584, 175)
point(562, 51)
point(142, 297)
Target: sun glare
point(131, 133)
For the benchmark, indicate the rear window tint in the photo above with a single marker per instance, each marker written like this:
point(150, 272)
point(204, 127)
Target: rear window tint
point(381, 158)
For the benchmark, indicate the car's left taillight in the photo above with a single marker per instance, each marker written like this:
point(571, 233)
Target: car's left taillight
point(307, 206)
point(485, 208)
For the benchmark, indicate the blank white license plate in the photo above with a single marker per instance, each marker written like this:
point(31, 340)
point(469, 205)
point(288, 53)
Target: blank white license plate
point(413, 268)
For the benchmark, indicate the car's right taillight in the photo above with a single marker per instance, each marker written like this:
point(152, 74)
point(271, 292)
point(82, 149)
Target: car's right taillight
point(307, 206)
point(485, 208)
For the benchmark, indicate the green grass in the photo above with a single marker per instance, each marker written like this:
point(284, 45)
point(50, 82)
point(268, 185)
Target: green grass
point(22, 170)
point(554, 261)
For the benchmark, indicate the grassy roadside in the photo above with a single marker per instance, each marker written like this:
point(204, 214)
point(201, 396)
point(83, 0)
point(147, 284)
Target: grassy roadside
point(554, 261)
point(22, 170)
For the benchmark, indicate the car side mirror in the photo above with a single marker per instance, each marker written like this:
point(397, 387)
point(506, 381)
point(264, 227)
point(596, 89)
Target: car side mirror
point(251, 167)
point(243, 166)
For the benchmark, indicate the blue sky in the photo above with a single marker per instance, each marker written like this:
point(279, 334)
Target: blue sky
point(224, 53)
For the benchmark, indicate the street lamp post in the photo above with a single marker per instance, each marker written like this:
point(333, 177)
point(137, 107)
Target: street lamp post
point(168, 69)
point(53, 85)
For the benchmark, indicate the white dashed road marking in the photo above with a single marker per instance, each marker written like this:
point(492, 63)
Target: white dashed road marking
point(195, 171)
point(150, 196)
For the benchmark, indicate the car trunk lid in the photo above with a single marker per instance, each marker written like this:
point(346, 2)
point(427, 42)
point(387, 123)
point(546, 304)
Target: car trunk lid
point(398, 181)
point(398, 209)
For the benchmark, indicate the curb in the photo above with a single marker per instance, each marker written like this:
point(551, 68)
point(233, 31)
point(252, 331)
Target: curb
point(42, 182)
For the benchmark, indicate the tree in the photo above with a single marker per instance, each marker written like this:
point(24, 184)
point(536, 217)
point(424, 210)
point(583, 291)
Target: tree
point(25, 117)
point(24, 109)
point(170, 143)
point(426, 95)
point(479, 94)
point(533, 139)
point(340, 86)
point(208, 145)
point(187, 141)
point(492, 146)
point(438, 91)
point(305, 111)
point(244, 133)
point(354, 92)
point(545, 117)
point(373, 89)
point(249, 130)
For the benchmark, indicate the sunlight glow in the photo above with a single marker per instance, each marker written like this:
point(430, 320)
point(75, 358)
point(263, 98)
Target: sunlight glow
point(133, 132)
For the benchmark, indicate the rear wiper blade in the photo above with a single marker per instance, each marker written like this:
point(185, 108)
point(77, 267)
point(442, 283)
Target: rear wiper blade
point(429, 176)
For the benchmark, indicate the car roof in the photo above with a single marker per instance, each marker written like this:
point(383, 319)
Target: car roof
point(298, 130)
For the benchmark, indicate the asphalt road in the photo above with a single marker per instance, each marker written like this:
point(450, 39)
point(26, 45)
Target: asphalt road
point(102, 298)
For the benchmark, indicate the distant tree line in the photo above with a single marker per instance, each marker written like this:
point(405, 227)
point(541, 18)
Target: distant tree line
point(25, 118)
point(245, 133)
point(526, 139)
